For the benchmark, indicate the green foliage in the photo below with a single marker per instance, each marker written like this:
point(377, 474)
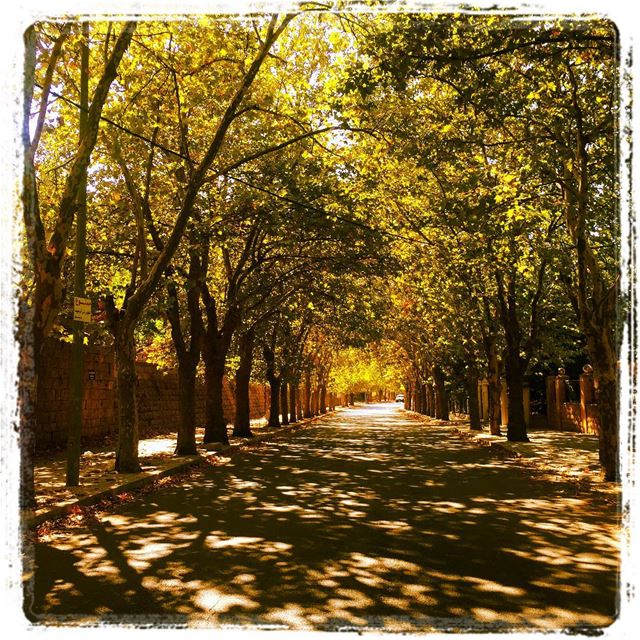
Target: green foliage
point(443, 153)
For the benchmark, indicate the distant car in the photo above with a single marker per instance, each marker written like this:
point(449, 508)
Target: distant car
point(400, 397)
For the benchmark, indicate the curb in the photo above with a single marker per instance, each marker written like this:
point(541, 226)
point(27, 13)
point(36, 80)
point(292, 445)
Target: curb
point(58, 511)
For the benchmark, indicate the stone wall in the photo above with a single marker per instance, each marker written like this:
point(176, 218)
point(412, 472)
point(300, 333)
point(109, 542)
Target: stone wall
point(157, 392)
point(576, 417)
point(571, 420)
point(579, 416)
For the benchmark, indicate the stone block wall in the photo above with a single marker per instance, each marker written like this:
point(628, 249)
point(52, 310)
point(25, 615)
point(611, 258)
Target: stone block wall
point(572, 416)
point(571, 420)
point(157, 393)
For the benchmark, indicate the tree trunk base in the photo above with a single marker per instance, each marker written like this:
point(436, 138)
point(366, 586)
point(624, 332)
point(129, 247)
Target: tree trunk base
point(132, 467)
point(517, 438)
point(243, 433)
point(216, 437)
point(186, 451)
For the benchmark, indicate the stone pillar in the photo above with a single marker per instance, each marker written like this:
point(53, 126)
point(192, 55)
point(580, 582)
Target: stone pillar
point(265, 401)
point(504, 404)
point(552, 414)
point(587, 395)
point(561, 393)
point(483, 398)
point(423, 399)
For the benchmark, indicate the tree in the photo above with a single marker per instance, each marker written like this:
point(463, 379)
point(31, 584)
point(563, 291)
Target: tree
point(46, 255)
point(123, 321)
point(529, 87)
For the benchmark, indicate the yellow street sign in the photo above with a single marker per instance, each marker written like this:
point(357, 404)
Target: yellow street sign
point(82, 309)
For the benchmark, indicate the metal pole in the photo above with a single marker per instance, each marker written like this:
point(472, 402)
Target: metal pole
point(77, 362)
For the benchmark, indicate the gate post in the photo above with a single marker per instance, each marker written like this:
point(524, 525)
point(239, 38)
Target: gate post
point(504, 404)
point(561, 393)
point(587, 395)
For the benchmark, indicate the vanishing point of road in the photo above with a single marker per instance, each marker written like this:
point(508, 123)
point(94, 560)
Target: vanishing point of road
point(369, 519)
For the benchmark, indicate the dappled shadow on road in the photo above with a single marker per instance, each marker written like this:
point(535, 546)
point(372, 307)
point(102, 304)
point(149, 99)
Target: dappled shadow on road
point(371, 521)
point(574, 453)
point(97, 468)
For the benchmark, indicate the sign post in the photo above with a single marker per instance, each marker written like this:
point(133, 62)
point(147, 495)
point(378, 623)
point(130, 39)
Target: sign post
point(82, 309)
point(81, 305)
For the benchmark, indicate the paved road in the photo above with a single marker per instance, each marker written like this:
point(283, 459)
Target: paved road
point(370, 519)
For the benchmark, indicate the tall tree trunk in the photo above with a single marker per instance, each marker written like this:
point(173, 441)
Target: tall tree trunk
point(514, 373)
point(293, 389)
point(215, 429)
point(186, 437)
point(442, 401)
point(323, 398)
point(431, 401)
point(29, 338)
point(602, 351)
point(423, 399)
point(593, 293)
point(515, 365)
point(603, 354)
point(274, 388)
point(74, 433)
point(242, 420)
point(307, 394)
point(125, 361)
point(314, 402)
point(284, 401)
point(608, 425)
point(274, 405)
point(27, 403)
point(188, 356)
point(186, 441)
point(471, 381)
point(490, 345)
point(494, 388)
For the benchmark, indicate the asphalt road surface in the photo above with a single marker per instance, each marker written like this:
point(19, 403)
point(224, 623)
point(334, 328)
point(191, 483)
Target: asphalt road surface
point(369, 520)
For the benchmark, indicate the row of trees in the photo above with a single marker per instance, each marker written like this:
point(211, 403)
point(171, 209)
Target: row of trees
point(288, 186)
point(504, 135)
point(214, 212)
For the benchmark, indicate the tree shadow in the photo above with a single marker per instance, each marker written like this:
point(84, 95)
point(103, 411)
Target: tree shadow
point(371, 521)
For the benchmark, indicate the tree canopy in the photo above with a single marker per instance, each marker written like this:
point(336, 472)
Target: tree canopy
point(382, 201)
